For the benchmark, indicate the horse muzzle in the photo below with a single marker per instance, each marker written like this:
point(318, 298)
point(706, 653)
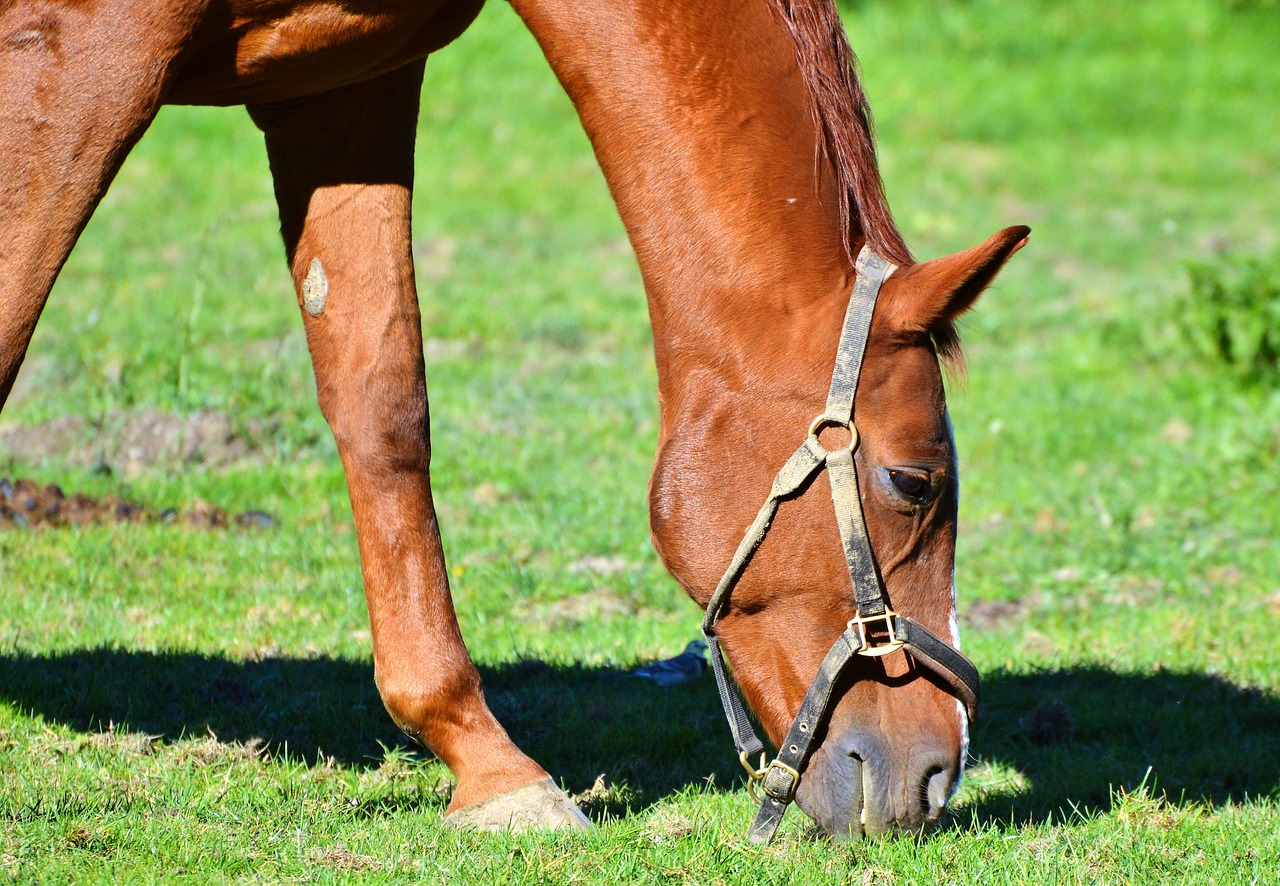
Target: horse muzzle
point(853, 788)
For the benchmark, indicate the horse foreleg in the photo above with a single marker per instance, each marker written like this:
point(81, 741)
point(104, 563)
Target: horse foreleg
point(343, 168)
point(79, 83)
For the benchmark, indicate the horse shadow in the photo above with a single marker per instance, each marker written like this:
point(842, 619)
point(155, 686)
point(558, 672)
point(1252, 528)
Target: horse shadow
point(1070, 739)
point(1079, 738)
point(579, 722)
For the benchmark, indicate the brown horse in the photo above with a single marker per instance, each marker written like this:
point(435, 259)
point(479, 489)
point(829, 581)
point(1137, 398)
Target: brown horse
point(736, 143)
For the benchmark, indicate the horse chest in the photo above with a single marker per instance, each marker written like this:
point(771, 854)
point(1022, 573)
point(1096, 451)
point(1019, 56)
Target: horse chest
point(251, 51)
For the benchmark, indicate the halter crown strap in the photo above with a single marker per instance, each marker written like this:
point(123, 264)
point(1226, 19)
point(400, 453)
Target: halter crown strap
point(876, 629)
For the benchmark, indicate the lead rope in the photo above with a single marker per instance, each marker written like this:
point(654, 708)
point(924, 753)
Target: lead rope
point(778, 781)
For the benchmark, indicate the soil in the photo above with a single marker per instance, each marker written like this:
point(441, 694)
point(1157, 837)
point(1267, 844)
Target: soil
point(25, 504)
point(127, 442)
point(983, 615)
point(577, 609)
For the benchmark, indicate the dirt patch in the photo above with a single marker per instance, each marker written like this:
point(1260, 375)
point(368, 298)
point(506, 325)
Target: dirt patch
point(25, 504)
point(603, 799)
point(433, 258)
point(210, 750)
point(1177, 431)
point(343, 859)
point(597, 605)
point(598, 564)
point(984, 614)
point(667, 824)
point(129, 442)
point(54, 437)
point(131, 744)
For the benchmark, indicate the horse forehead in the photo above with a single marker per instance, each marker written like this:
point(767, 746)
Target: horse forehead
point(902, 386)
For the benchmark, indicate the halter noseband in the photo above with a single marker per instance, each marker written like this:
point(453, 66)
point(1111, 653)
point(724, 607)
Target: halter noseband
point(875, 629)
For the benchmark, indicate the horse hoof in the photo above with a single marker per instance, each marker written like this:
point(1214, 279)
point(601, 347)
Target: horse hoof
point(539, 806)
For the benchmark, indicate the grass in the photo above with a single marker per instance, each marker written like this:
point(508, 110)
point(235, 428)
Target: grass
point(186, 705)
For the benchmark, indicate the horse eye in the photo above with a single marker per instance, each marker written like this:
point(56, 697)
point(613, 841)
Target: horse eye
point(910, 484)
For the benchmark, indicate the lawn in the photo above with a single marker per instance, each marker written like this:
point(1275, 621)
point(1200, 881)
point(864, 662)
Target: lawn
point(183, 703)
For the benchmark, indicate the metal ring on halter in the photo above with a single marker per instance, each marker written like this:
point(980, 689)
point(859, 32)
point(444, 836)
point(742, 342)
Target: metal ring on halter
point(754, 775)
point(825, 421)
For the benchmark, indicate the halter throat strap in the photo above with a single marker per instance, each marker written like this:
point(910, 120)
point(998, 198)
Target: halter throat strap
point(876, 629)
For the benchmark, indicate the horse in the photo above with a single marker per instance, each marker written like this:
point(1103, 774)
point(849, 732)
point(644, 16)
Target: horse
point(736, 141)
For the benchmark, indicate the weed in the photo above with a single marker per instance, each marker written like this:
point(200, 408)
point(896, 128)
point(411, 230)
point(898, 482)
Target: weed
point(1230, 315)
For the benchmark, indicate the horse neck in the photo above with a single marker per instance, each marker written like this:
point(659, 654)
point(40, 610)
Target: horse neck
point(703, 127)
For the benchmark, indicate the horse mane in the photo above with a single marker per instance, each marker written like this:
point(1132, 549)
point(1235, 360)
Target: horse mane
point(842, 115)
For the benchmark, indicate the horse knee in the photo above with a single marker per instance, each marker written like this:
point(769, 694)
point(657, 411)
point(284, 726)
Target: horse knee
point(407, 705)
point(420, 703)
point(379, 423)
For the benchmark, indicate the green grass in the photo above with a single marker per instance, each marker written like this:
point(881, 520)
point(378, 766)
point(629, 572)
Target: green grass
point(200, 706)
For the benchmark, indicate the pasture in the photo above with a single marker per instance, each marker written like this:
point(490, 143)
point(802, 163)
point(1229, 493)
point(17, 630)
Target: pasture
point(187, 703)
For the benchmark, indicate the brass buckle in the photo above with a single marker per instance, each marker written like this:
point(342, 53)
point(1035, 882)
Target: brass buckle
point(891, 643)
point(795, 781)
point(757, 776)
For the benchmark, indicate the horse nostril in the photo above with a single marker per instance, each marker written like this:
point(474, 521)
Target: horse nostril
point(936, 789)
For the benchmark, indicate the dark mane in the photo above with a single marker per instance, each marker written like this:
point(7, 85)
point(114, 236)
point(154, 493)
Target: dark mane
point(841, 113)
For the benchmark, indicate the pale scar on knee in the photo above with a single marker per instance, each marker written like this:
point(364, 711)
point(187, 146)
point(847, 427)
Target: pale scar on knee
point(315, 289)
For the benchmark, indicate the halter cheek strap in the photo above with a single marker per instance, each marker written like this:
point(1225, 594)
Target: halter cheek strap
point(875, 629)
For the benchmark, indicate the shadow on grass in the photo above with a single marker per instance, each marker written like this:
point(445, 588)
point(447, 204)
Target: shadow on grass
point(576, 721)
point(1078, 735)
point(1204, 738)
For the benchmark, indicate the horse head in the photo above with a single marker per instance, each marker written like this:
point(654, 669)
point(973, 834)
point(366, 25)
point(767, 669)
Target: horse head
point(889, 751)
point(896, 741)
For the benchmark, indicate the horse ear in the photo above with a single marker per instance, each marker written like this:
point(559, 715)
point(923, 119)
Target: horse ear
point(932, 294)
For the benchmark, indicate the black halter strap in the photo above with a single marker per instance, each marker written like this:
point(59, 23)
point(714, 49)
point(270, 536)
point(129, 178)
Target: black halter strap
point(875, 629)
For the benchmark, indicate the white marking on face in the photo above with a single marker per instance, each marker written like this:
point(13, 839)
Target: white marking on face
point(953, 622)
point(961, 713)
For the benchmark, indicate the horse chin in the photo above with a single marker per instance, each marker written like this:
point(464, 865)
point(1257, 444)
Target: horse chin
point(831, 793)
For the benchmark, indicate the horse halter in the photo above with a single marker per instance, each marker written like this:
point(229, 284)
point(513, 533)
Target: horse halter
point(875, 629)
